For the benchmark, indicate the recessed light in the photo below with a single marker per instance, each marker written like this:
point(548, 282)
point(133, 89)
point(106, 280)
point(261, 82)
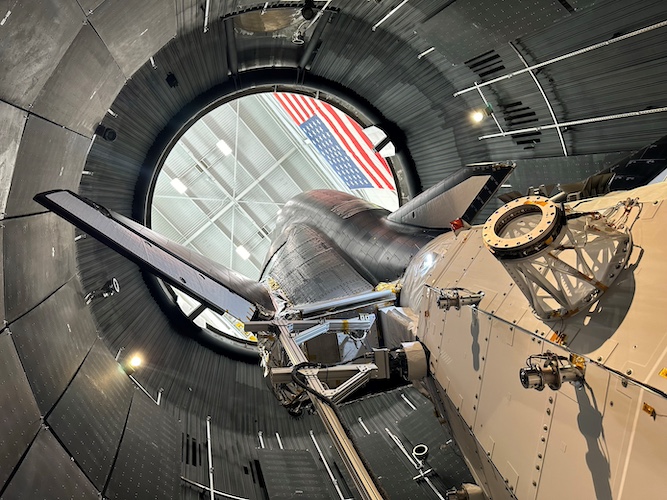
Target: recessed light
point(243, 253)
point(224, 147)
point(178, 185)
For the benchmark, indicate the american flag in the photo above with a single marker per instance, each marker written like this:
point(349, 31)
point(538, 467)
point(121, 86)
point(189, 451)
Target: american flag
point(340, 140)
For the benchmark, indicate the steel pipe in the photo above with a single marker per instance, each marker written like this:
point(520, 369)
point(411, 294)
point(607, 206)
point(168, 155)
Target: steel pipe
point(576, 122)
point(326, 466)
point(210, 457)
point(546, 100)
point(565, 56)
point(389, 14)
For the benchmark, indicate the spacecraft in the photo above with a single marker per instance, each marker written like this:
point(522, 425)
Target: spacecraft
point(537, 334)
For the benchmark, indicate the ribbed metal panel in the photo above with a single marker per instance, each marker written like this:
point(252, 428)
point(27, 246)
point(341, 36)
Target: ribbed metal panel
point(133, 35)
point(412, 93)
point(143, 470)
point(20, 413)
point(48, 471)
point(623, 77)
point(38, 258)
point(66, 156)
point(86, 79)
point(58, 24)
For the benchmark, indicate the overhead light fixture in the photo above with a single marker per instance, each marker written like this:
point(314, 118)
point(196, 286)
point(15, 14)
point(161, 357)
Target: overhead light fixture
point(207, 11)
point(375, 134)
point(381, 143)
point(426, 52)
point(130, 365)
point(243, 253)
point(178, 185)
point(224, 147)
point(391, 13)
point(4, 19)
point(478, 115)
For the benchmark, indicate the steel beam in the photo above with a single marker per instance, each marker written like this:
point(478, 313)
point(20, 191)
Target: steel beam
point(283, 374)
point(640, 31)
point(233, 202)
point(348, 453)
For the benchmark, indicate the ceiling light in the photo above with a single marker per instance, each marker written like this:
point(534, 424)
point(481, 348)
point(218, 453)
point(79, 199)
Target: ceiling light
point(388, 151)
point(129, 365)
point(178, 185)
point(479, 114)
point(243, 253)
point(224, 147)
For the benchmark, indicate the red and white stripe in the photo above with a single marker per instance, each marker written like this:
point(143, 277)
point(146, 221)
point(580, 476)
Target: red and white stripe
point(348, 132)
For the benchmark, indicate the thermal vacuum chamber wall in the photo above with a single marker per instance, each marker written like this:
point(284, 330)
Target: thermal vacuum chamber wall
point(72, 423)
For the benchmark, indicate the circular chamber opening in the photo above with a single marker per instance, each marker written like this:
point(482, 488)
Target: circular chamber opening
point(220, 186)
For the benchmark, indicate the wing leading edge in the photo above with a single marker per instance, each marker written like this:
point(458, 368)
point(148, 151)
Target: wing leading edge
point(461, 195)
point(220, 288)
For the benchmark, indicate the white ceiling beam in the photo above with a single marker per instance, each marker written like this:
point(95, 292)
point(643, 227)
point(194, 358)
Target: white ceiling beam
point(213, 218)
point(257, 180)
